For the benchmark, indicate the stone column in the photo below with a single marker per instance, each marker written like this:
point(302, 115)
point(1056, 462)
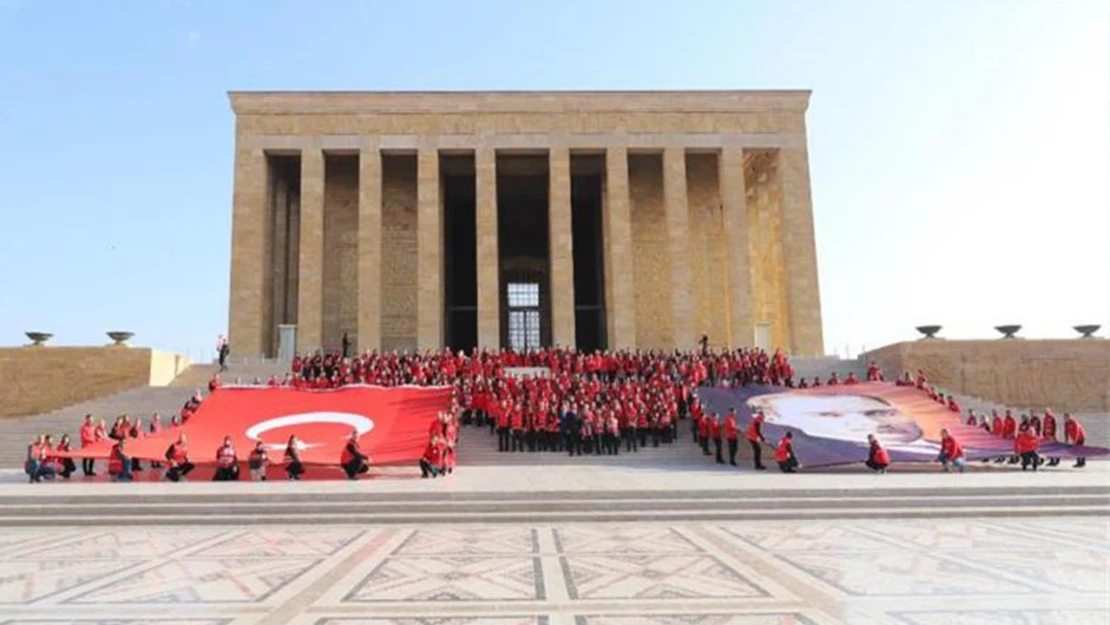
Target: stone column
point(489, 270)
point(799, 252)
point(737, 275)
point(678, 247)
point(620, 296)
point(369, 248)
point(279, 199)
point(310, 288)
point(248, 242)
point(561, 246)
point(429, 251)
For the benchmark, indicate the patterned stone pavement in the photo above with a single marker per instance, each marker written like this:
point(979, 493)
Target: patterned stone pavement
point(1050, 571)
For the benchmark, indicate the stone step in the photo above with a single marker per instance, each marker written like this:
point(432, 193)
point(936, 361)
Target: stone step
point(308, 517)
point(538, 507)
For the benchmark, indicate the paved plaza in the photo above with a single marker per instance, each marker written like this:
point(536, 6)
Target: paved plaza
point(895, 572)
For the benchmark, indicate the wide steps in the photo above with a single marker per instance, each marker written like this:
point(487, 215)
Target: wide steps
point(224, 505)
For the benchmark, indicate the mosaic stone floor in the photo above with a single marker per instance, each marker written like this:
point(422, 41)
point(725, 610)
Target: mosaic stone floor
point(948, 572)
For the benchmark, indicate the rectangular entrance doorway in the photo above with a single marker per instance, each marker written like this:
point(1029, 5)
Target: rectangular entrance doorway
point(524, 315)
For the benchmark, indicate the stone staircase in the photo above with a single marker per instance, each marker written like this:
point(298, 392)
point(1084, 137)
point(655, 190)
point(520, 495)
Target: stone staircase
point(477, 447)
point(17, 433)
point(242, 503)
point(823, 367)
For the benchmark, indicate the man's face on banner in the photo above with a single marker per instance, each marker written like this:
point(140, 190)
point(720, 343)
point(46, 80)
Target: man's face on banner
point(839, 417)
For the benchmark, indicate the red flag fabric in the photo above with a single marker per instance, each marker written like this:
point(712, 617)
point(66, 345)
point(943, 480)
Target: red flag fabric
point(392, 423)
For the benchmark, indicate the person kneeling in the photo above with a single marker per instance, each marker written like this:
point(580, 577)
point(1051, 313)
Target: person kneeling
point(119, 463)
point(877, 457)
point(258, 462)
point(177, 459)
point(1026, 445)
point(293, 465)
point(352, 459)
point(784, 454)
point(431, 464)
point(951, 453)
point(227, 463)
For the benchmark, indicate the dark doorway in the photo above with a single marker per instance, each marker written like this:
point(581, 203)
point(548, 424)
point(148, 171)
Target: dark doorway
point(460, 273)
point(589, 267)
point(522, 243)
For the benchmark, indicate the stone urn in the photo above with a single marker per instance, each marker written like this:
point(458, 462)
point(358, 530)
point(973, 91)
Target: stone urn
point(1086, 332)
point(120, 337)
point(929, 332)
point(38, 339)
point(1009, 331)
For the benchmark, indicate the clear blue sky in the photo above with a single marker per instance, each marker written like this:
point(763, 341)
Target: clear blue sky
point(960, 151)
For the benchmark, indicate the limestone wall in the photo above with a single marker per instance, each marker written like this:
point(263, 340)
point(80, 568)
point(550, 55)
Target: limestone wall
point(1065, 374)
point(39, 379)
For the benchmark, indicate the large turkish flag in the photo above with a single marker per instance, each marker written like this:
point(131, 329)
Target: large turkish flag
point(393, 424)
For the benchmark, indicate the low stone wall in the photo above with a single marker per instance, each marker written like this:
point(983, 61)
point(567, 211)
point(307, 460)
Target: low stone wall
point(1067, 374)
point(34, 380)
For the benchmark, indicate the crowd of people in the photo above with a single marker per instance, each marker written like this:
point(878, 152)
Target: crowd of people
point(710, 430)
point(585, 403)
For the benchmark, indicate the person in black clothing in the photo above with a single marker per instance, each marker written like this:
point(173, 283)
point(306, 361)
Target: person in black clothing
point(68, 466)
point(353, 460)
point(293, 466)
point(571, 430)
point(346, 345)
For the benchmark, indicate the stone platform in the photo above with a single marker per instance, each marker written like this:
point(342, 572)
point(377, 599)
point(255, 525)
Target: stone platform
point(570, 493)
point(891, 572)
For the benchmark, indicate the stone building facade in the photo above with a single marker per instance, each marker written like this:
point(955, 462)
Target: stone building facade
point(514, 219)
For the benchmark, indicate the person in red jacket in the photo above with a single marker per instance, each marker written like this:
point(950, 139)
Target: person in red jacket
point(703, 432)
point(873, 373)
point(784, 454)
point(87, 436)
point(227, 463)
point(997, 426)
point(951, 453)
point(715, 434)
point(731, 435)
point(352, 459)
point(119, 463)
point(431, 463)
point(755, 438)
point(877, 457)
point(1074, 434)
point(177, 458)
point(1009, 425)
point(972, 418)
point(1025, 446)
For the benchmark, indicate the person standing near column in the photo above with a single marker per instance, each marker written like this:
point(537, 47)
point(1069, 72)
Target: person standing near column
point(755, 438)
